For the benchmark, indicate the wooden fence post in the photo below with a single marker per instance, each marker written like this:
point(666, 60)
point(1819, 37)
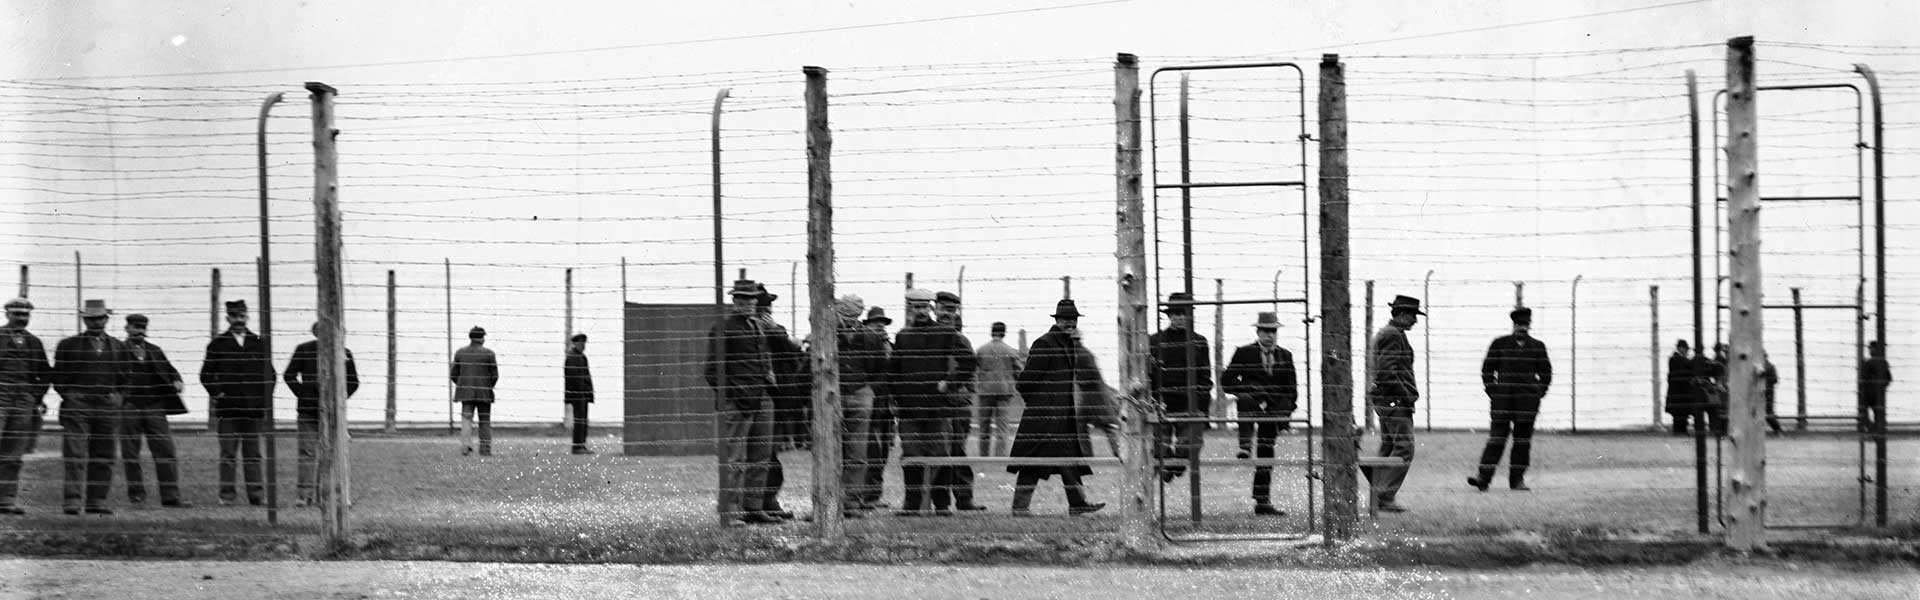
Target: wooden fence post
point(1747, 509)
point(1336, 309)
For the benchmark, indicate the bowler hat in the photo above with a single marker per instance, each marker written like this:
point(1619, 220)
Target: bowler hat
point(95, 308)
point(744, 287)
point(946, 298)
point(1171, 308)
point(137, 319)
point(1066, 309)
point(1405, 303)
point(1521, 315)
point(20, 303)
point(237, 307)
point(877, 314)
point(1267, 320)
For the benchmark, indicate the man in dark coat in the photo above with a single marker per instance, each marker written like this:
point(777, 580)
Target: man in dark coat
point(882, 430)
point(578, 390)
point(740, 371)
point(1058, 370)
point(862, 358)
point(239, 377)
point(90, 372)
point(1181, 377)
point(24, 379)
point(1875, 377)
point(932, 363)
point(1682, 396)
point(792, 397)
point(1516, 374)
point(946, 311)
point(1710, 376)
point(1392, 394)
point(303, 378)
point(153, 394)
point(1771, 377)
point(474, 372)
point(1261, 377)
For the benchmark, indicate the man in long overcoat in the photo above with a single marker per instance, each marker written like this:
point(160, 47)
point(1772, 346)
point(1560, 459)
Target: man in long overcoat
point(1264, 385)
point(1058, 371)
point(25, 377)
point(1516, 374)
point(153, 394)
point(578, 389)
point(1682, 397)
point(1181, 377)
point(1392, 394)
point(474, 372)
point(239, 377)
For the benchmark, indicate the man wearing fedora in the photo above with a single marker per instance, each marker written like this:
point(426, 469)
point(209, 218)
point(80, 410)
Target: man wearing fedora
point(1516, 374)
point(1392, 392)
point(474, 372)
point(1060, 378)
point(90, 372)
point(740, 371)
point(1264, 385)
point(24, 379)
point(792, 397)
point(882, 430)
point(1181, 377)
point(239, 377)
point(303, 379)
point(153, 394)
point(932, 364)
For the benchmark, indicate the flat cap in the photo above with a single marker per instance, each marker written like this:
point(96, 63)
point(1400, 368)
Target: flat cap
point(919, 295)
point(946, 298)
point(20, 303)
point(137, 319)
point(477, 332)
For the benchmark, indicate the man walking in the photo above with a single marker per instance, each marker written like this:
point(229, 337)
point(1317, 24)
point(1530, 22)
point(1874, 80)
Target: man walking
point(474, 372)
point(961, 403)
point(1392, 393)
point(882, 430)
point(90, 372)
point(578, 390)
point(24, 379)
point(1261, 377)
point(740, 371)
point(303, 378)
point(1771, 377)
point(993, 383)
point(1875, 377)
point(1181, 377)
point(153, 394)
point(1060, 374)
point(931, 364)
point(1682, 397)
point(1516, 374)
point(239, 377)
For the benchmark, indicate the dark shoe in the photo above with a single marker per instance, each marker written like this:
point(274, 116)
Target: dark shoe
point(1519, 485)
point(1244, 454)
point(468, 451)
point(785, 515)
point(1086, 509)
point(70, 511)
point(583, 450)
point(12, 510)
point(909, 512)
point(99, 510)
point(486, 452)
point(1268, 510)
point(1022, 512)
point(1389, 506)
point(1167, 475)
point(1477, 483)
point(942, 512)
point(759, 518)
point(879, 504)
point(257, 501)
point(136, 498)
point(968, 506)
point(176, 503)
point(228, 501)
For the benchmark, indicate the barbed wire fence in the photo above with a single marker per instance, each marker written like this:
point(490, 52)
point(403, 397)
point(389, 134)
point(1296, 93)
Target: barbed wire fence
point(990, 180)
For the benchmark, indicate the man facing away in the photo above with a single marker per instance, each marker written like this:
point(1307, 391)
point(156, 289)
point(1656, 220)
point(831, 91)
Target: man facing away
point(1261, 377)
point(474, 372)
point(993, 382)
point(1392, 394)
point(239, 377)
point(25, 377)
point(931, 364)
point(1516, 374)
point(303, 378)
point(153, 394)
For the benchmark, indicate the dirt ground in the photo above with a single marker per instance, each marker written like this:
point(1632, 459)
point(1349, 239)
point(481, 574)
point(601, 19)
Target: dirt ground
point(23, 578)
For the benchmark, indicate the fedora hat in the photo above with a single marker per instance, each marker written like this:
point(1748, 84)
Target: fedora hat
point(1405, 303)
point(1178, 308)
point(95, 308)
point(744, 287)
point(877, 314)
point(237, 307)
point(1521, 315)
point(1066, 310)
point(1267, 320)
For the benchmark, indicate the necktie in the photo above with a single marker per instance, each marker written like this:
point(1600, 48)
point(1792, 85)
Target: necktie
point(1266, 360)
point(98, 344)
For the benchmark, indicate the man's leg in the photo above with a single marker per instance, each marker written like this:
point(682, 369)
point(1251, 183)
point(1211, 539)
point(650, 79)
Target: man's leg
point(132, 431)
point(307, 444)
point(960, 477)
point(1265, 435)
point(855, 411)
point(166, 460)
point(1500, 426)
point(73, 456)
point(467, 410)
point(1522, 448)
point(882, 433)
point(228, 432)
point(983, 409)
point(103, 449)
point(735, 427)
point(250, 430)
point(760, 457)
point(915, 429)
point(15, 436)
point(1396, 440)
point(580, 425)
point(1189, 437)
point(1249, 407)
point(484, 411)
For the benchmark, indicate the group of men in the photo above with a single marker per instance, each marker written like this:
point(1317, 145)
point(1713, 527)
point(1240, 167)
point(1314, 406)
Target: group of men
point(1697, 389)
point(116, 396)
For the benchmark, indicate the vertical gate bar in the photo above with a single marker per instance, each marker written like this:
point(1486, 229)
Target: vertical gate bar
point(1699, 317)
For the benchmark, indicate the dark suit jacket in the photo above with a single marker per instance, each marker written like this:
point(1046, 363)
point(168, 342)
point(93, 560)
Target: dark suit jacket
point(1516, 367)
point(579, 384)
point(1169, 371)
point(1248, 379)
point(474, 373)
point(84, 374)
point(239, 376)
point(303, 377)
point(151, 379)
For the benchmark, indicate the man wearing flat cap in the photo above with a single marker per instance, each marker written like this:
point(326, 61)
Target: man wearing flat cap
point(740, 371)
point(90, 372)
point(932, 365)
point(25, 377)
point(946, 312)
point(1516, 374)
point(578, 389)
point(1181, 376)
point(474, 372)
point(303, 378)
point(1264, 385)
point(1392, 393)
point(153, 394)
point(239, 377)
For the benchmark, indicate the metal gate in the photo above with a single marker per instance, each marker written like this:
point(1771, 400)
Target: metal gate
point(1310, 466)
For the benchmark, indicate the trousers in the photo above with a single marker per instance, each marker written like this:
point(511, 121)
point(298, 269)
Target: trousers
point(87, 450)
point(149, 426)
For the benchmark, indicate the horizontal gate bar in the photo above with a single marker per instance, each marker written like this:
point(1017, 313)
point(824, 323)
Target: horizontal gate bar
point(1806, 306)
point(1804, 199)
point(1229, 184)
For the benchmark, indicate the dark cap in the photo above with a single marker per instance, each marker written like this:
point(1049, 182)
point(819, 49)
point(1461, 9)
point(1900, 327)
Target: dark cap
point(137, 319)
point(946, 298)
point(998, 327)
point(19, 304)
point(579, 337)
point(237, 307)
point(1405, 304)
point(1521, 315)
point(764, 297)
point(477, 332)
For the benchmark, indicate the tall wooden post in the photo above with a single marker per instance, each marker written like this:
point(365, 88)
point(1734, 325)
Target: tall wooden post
point(79, 288)
point(1653, 352)
point(1799, 367)
point(1573, 360)
point(333, 466)
point(447, 263)
point(1130, 258)
point(1366, 330)
point(566, 344)
point(214, 310)
point(393, 357)
point(1519, 294)
point(1341, 444)
point(1219, 360)
point(1747, 510)
point(825, 349)
point(1066, 287)
point(24, 288)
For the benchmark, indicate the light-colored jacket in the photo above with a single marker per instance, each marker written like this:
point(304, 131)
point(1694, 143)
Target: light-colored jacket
point(999, 363)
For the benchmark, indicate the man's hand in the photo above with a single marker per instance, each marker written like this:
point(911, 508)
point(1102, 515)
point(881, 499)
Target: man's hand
point(40, 409)
point(941, 387)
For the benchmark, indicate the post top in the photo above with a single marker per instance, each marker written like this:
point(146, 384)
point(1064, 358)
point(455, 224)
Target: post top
point(814, 71)
point(1745, 41)
point(1126, 59)
point(1330, 58)
point(320, 88)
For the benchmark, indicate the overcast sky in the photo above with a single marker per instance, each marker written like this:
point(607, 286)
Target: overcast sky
point(1492, 142)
